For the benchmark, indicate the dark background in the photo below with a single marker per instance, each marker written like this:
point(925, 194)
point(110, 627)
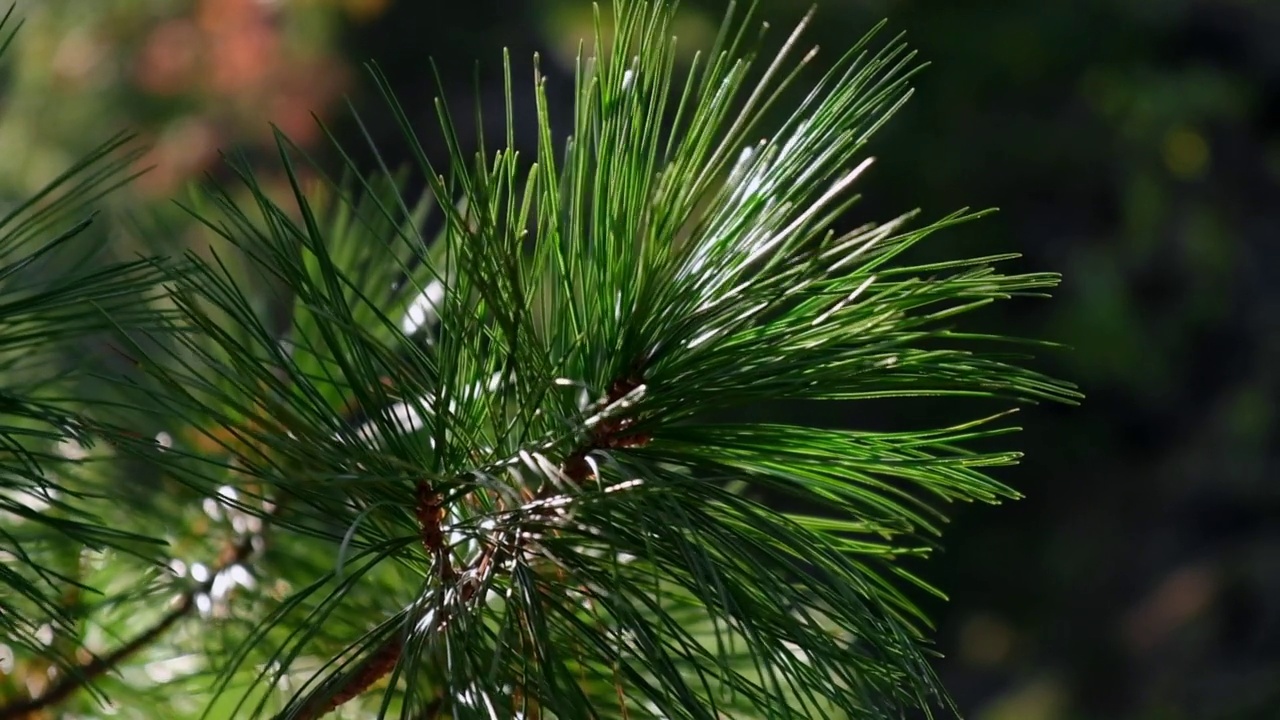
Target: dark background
point(1132, 145)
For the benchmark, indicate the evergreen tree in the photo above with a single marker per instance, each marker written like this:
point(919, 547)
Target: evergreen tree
point(500, 470)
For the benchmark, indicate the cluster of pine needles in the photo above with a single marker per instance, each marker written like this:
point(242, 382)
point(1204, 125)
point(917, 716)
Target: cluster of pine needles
point(488, 452)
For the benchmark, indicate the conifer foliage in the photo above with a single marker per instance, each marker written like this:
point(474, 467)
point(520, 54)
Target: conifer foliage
point(334, 463)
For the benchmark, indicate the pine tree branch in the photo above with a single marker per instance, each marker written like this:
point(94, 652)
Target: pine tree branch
point(609, 433)
point(234, 554)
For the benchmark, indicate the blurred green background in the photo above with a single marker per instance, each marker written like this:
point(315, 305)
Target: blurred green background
point(1133, 145)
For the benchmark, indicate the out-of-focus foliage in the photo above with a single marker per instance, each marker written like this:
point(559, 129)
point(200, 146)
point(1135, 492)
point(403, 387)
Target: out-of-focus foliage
point(191, 77)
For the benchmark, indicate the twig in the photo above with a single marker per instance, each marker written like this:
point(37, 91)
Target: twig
point(429, 510)
point(93, 669)
point(76, 679)
point(428, 507)
point(232, 555)
point(610, 433)
point(375, 668)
